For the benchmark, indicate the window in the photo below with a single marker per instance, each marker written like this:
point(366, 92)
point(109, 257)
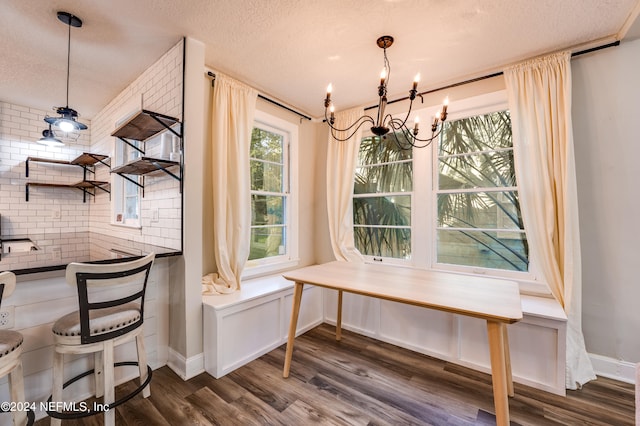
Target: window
point(273, 196)
point(125, 191)
point(451, 206)
point(382, 199)
point(478, 210)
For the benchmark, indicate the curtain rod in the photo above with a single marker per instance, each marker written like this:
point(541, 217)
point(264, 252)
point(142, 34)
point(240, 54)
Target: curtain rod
point(213, 75)
point(495, 74)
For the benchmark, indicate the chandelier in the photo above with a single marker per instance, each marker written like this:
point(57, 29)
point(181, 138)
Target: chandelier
point(67, 121)
point(405, 137)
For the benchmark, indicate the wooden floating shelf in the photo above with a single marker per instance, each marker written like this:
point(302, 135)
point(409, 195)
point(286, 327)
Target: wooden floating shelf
point(144, 165)
point(144, 125)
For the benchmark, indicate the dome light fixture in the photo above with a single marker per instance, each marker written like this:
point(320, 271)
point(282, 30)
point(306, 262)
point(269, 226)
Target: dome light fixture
point(67, 121)
point(49, 138)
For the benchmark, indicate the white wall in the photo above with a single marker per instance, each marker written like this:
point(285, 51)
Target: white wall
point(606, 125)
point(20, 128)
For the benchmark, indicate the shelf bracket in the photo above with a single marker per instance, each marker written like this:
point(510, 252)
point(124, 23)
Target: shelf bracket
point(131, 145)
point(131, 180)
point(164, 169)
point(163, 124)
point(99, 160)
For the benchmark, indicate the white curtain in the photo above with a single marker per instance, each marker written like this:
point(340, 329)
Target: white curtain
point(231, 124)
point(342, 158)
point(539, 93)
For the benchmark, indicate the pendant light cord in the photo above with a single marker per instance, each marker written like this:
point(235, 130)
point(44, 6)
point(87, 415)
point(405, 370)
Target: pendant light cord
point(68, 61)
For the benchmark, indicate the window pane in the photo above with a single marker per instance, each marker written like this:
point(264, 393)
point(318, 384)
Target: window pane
point(267, 210)
point(485, 226)
point(131, 208)
point(494, 210)
point(266, 176)
point(266, 145)
point(382, 211)
point(498, 250)
point(487, 132)
point(384, 242)
point(267, 241)
point(391, 177)
point(376, 150)
point(485, 170)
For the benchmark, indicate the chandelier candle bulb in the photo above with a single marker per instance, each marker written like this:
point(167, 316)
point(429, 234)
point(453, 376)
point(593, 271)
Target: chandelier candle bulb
point(416, 122)
point(383, 76)
point(416, 80)
point(327, 100)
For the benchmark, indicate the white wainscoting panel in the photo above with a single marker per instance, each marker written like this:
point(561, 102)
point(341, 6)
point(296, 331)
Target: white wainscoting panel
point(242, 326)
point(537, 343)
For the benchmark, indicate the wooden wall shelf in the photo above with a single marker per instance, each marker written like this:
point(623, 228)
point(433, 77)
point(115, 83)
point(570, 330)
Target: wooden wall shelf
point(140, 127)
point(86, 160)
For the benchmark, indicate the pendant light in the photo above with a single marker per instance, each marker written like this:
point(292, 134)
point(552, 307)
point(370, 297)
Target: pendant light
point(49, 138)
point(67, 121)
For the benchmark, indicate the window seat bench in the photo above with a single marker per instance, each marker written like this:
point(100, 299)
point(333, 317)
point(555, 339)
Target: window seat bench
point(244, 325)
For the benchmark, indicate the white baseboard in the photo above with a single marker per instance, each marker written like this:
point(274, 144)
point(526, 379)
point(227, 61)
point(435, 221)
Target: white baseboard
point(612, 368)
point(186, 368)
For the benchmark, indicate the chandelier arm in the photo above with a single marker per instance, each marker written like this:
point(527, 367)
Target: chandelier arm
point(397, 125)
point(365, 118)
point(334, 130)
point(406, 117)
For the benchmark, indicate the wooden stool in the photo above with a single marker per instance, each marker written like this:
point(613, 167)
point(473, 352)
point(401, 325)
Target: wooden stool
point(111, 312)
point(10, 351)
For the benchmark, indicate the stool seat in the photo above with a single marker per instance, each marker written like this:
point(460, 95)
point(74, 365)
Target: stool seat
point(102, 321)
point(9, 341)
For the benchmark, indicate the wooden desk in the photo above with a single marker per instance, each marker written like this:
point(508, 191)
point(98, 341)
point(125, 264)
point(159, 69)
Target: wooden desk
point(495, 301)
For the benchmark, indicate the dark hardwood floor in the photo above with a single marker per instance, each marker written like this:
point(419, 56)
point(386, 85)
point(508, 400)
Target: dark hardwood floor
point(359, 381)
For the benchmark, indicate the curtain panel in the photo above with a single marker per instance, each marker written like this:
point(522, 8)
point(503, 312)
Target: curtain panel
point(539, 92)
point(231, 125)
point(342, 158)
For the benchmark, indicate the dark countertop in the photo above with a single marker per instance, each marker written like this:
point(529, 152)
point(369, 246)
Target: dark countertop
point(57, 250)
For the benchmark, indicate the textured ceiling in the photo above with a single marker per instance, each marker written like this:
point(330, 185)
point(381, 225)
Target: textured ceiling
point(289, 49)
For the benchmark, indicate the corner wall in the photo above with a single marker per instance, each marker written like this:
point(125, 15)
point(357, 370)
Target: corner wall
point(606, 101)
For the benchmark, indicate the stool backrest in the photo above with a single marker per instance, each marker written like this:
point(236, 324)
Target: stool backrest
point(7, 284)
point(128, 283)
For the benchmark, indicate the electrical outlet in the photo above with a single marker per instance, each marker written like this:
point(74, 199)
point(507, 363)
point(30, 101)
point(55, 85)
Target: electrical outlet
point(7, 317)
point(56, 253)
point(155, 215)
point(55, 213)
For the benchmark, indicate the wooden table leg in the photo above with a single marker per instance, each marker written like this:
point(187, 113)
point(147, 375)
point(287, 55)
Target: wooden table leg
point(507, 359)
point(496, 331)
point(293, 324)
point(339, 318)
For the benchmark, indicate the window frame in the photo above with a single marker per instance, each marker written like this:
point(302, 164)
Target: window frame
point(257, 267)
point(424, 200)
point(123, 153)
point(374, 258)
